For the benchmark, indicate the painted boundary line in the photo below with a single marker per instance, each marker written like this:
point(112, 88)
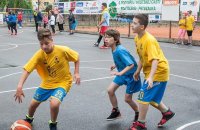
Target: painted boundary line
point(189, 124)
point(87, 80)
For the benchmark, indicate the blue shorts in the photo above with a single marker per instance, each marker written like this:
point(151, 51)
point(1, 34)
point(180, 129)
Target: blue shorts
point(132, 86)
point(153, 95)
point(43, 94)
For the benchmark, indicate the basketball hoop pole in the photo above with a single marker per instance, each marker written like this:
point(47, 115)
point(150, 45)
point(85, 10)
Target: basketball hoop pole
point(170, 29)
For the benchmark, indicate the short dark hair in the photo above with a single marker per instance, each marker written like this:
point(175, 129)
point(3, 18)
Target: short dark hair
point(143, 19)
point(115, 34)
point(104, 4)
point(190, 11)
point(44, 33)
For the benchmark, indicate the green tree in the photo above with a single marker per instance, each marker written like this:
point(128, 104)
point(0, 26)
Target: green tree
point(26, 4)
point(48, 8)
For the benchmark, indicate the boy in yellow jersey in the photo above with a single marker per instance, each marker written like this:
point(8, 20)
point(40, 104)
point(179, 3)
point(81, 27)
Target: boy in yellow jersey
point(190, 24)
point(182, 29)
point(52, 65)
point(156, 70)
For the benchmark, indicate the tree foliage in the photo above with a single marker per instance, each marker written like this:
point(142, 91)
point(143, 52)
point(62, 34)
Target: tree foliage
point(26, 4)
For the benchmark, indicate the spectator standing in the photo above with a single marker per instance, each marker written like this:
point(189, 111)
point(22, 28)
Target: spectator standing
point(71, 20)
point(39, 19)
point(35, 19)
point(60, 21)
point(52, 22)
point(45, 20)
point(190, 24)
point(182, 29)
point(20, 19)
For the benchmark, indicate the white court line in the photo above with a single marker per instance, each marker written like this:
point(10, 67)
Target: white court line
point(88, 80)
point(70, 67)
point(184, 61)
point(188, 124)
point(10, 75)
point(98, 61)
point(180, 48)
point(15, 46)
point(189, 61)
point(185, 77)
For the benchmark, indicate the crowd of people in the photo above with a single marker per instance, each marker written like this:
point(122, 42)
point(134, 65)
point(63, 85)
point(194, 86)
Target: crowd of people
point(51, 19)
point(42, 20)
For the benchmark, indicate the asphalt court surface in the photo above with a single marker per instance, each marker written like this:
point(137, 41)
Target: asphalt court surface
point(87, 106)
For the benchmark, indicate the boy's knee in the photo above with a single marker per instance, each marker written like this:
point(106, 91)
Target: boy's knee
point(54, 103)
point(128, 99)
point(110, 92)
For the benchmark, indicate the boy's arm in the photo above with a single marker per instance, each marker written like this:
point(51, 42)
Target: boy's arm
point(152, 72)
point(139, 67)
point(102, 20)
point(19, 92)
point(76, 72)
point(137, 72)
point(123, 71)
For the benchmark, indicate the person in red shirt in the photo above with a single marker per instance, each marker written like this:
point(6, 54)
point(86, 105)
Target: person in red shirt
point(19, 19)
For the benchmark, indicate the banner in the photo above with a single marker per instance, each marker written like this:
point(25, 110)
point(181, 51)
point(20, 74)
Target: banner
point(170, 13)
point(115, 6)
point(139, 6)
point(79, 7)
point(86, 7)
point(187, 5)
point(170, 2)
point(1, 18)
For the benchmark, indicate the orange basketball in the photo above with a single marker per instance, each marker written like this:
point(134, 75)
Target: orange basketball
point(21, 125)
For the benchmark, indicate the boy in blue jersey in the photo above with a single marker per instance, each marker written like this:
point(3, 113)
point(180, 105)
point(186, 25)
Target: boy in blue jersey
point(126, 66)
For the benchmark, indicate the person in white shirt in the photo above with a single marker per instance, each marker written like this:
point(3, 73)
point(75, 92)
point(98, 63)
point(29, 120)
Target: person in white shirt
point(52, 22)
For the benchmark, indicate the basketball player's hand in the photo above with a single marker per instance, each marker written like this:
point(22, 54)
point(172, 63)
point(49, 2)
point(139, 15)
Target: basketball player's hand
point(149, 81)
point(77, 79)
point(98, 26)
point(136, 76)
point(112, 67)
point(18, 95)
point(115, 73)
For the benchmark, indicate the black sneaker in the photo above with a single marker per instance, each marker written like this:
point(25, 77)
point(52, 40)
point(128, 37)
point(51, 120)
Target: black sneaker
point(115, 114)
point(188, 44)
point(52, 125)
point(29, 119)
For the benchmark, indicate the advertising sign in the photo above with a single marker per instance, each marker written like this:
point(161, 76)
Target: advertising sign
point(170, 2)
point(1, 18)
point(187, 5)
